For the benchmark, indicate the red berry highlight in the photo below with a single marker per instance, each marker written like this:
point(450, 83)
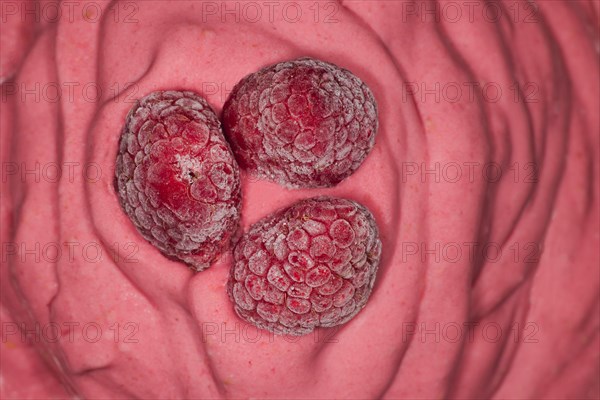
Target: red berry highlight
point(302, 123)
point(176, 177)
point(310, 265)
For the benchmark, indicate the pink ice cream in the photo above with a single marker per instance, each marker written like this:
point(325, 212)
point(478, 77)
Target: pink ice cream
point(488, 285)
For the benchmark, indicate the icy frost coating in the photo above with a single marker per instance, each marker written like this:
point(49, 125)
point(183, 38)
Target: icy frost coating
point(301, 123)
point(177, 179)
point(312, 264)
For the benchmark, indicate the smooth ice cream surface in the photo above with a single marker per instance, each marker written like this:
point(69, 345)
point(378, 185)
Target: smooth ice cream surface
point(487, 204)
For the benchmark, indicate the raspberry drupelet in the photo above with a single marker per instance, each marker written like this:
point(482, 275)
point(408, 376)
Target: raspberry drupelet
point(176, 177)
point(302, 124)
point(310, 265)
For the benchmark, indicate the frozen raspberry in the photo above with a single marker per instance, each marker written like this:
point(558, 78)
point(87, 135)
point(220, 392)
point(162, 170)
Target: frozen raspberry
point(302, 123)
point(312, 264)
point(176, 177)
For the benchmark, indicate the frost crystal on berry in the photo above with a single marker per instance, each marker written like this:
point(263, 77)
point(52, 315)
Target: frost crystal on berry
point(176, 177)
point(312, 264)
point(302, 123)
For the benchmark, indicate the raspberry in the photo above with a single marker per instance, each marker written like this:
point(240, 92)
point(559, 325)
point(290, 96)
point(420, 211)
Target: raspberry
point(302, 123)
point(312, 264)
point(176, 177)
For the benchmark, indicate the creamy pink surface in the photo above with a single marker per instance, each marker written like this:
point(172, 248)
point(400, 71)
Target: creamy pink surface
point(174, 45)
